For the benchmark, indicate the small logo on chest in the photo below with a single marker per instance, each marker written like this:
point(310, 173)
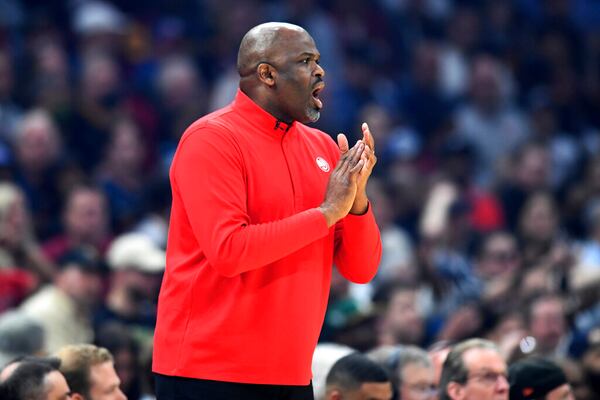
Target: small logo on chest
point(323, 164)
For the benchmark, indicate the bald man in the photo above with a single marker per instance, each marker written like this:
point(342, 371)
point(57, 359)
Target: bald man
point(263, 206)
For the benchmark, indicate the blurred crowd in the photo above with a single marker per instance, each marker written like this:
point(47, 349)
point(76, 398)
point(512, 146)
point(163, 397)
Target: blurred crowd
point(486, 118)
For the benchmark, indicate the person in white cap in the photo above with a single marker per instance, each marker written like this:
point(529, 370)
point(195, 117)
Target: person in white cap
point(136, 264)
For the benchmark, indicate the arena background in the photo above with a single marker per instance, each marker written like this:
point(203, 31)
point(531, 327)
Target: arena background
point(486, 116)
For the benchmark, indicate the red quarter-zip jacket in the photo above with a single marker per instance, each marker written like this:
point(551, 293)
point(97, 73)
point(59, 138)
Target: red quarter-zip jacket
point(249, 255)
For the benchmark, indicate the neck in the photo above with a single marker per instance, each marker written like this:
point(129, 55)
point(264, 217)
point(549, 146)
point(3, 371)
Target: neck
point(265, 101)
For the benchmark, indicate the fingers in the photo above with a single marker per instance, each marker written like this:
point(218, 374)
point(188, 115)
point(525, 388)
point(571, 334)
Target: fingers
point(346, 160)
point(356, 161)
point(358, 150)
point(367, 136)
point(342, 143)
point(369, 158)
point(355, 171)
point(353, 156)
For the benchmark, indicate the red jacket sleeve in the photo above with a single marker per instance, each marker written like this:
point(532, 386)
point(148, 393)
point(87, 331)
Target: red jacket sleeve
point(208, 174)
point(357, 247)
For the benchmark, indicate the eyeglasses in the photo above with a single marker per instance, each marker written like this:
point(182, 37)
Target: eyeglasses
point(423, 390)
point(488, 377)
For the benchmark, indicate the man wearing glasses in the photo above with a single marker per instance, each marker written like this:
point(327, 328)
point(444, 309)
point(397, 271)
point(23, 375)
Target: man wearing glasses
point(413, 374)
point(474, 370)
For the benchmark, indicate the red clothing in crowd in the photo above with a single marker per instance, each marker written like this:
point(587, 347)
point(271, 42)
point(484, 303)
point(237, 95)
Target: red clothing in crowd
point(249, 255)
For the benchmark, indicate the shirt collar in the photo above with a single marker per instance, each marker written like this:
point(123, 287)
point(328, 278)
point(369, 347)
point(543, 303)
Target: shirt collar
point(258, 116)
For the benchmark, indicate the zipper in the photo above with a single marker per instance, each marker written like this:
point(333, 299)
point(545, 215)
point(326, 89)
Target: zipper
point(287, 163)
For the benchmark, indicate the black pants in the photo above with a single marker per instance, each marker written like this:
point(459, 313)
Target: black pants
point(177, 388)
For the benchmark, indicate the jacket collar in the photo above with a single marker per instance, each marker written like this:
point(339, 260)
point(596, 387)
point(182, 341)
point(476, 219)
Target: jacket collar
point(256, 115)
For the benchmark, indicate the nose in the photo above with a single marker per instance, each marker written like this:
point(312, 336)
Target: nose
point(502, 384)
point(319, 71)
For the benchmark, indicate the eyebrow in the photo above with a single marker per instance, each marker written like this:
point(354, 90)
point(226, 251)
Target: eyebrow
point(484, 369)
point(306, 53)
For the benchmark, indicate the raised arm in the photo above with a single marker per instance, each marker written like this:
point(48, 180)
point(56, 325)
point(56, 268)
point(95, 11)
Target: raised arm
point(209, 176)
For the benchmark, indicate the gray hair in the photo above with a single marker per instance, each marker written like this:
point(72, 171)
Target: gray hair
point(454, 369)
point(20, 335)
point(395, 358)
point(408, 355)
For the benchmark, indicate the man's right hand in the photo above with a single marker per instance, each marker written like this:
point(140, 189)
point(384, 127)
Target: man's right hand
point(341, 189)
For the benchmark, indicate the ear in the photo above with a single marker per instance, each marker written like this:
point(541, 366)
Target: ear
point(334, 394)
point(266, 73)
point(455, 390)
point(76, 396)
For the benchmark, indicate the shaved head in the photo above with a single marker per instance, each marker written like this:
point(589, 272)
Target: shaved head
point(279, 70)
point(258, 45)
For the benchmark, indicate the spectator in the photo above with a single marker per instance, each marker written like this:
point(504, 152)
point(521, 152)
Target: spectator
point(438, 353)
point(86, 223)
point(35, 380)
point(462, 39)
point(497, 265)
point(9, 368)
point(324, 357)
point(539, 379)
point(15, 285)
point(413, 374)
point(180, 90)
point(50, 86)
point(38, 151)
point(422, 102)
point(564, 150)
point(474, 370)
point(488, 120)
point(356, 377)
point(539, 230)
point(456, 164)
point(100, 103)
point(528, 172)
point(445, 237)
point(90, 373)
point(547, 322)
point(135, 266)
point(402, 322)
point(397, 258)
point(20, 336)
point(10, 112)
point(64, 307)
point(119, 340)
point(121, 175)
point(18, 246)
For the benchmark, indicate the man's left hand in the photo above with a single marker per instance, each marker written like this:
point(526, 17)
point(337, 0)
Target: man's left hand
point(361, 201)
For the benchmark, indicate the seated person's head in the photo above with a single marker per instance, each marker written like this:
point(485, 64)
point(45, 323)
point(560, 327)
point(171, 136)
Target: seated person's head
point(413, 374)
point(356, 377)
point(536, 378)
point(35, 379)
point(90, 372)
point(474, 370)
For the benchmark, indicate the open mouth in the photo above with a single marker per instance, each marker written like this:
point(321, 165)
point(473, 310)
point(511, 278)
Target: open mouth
point(315, 95)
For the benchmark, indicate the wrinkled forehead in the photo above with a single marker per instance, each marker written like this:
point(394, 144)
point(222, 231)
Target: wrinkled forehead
point(293, 43)
point(483, 358)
